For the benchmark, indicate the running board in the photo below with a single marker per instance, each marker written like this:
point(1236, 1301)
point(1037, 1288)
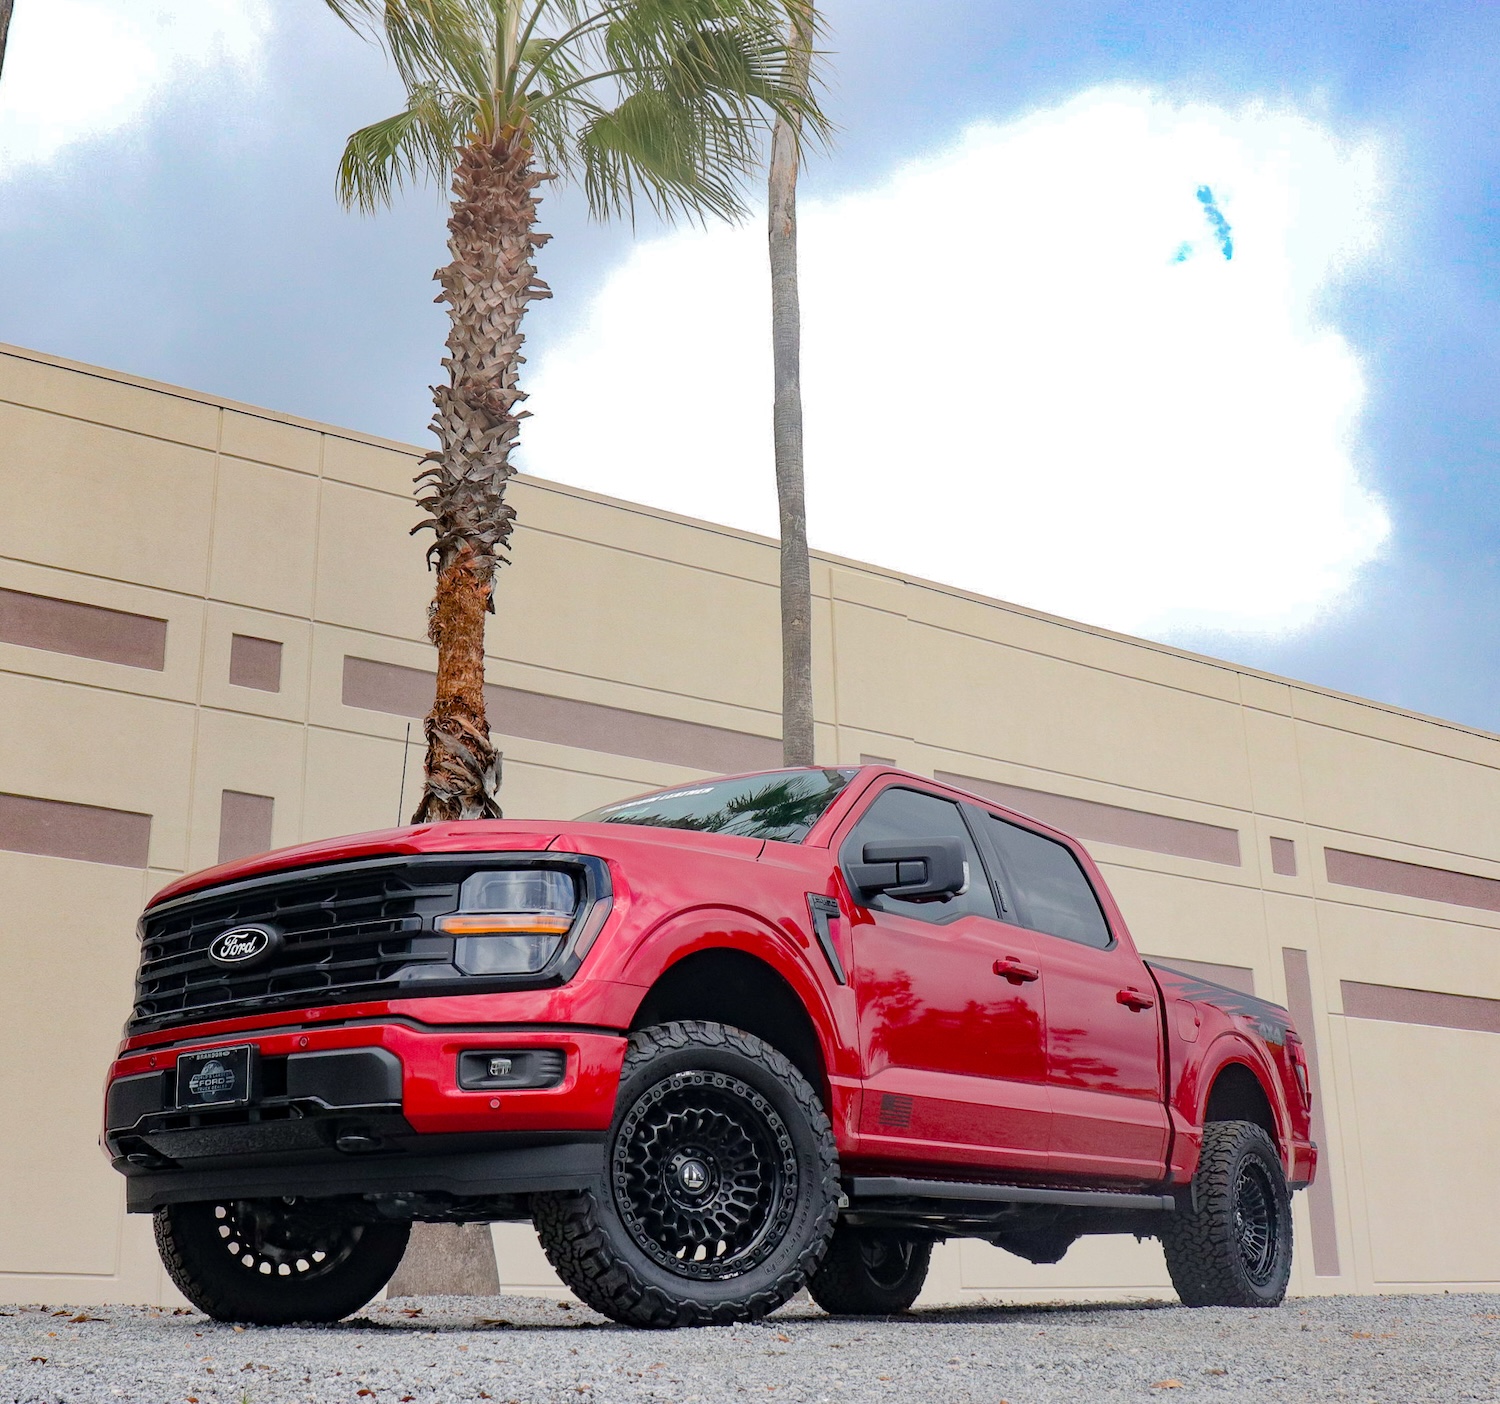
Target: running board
point(872, 1188)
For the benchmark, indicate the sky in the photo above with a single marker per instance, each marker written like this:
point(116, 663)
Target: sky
point(1170, 316)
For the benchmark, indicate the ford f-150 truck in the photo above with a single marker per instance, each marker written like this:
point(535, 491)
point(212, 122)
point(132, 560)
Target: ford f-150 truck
point(716, 1043)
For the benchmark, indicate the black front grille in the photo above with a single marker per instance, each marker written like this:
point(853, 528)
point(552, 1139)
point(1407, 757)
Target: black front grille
point(354, 931)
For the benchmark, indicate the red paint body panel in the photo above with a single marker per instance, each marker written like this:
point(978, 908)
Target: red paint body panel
point(431, 1099)
point(933, 1058)
point(1104, 1064)
point(966, 1047)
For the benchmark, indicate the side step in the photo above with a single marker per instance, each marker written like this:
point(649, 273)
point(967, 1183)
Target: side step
point(865, 1187)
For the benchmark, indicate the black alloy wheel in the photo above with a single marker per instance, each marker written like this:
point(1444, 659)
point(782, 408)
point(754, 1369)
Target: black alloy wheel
point(720, 1190)
point(1230, 1241)
point(704, 1174)
point(271, 1262)
point(870, 1272)
point(1255, 1223)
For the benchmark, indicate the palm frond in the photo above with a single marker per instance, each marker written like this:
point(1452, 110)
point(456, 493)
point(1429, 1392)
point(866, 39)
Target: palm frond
point(427, 40)
point(419, 143)
point(650, 147)
point(666, 102)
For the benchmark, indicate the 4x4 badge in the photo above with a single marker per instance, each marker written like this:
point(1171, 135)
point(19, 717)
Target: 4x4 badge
point(243, 944)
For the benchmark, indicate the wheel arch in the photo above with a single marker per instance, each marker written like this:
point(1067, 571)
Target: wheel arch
point(728, 985)
point(1237, 1091)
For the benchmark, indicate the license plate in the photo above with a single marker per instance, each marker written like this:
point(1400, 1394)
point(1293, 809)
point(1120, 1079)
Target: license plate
point(220, 1077)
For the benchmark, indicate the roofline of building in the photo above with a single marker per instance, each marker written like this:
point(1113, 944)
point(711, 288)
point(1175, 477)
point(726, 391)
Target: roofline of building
point(583, 494)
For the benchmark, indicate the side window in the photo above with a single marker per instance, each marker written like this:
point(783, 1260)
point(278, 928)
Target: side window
point(1048, 886)
point(910, 814)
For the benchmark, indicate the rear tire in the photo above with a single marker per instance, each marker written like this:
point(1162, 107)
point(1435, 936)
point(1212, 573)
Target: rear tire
point(1230, 1244)
point(267, 1263)
point(870, 1272)
point(721, 1185)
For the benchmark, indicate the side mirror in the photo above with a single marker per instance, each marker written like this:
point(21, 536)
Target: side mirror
point(911, 868)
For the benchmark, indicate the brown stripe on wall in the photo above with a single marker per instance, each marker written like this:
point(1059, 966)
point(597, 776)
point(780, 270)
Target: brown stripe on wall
point(255, 663)
point(564, 721)
point(57, 829)
point(1237, 977)
point(1111, 823)
point(1411, 880)
point(84, 630)
point(1299, 1003)
point(244, 824)
point(1406, 1006)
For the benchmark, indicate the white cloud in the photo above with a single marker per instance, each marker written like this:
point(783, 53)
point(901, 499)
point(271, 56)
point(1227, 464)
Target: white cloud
point(1029, 369)
point(76, 69)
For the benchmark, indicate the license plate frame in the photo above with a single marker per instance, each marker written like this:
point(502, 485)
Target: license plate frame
point(217, 1078)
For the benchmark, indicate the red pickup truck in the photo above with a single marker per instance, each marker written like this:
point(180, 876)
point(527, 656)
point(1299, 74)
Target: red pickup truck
point(717, 1043)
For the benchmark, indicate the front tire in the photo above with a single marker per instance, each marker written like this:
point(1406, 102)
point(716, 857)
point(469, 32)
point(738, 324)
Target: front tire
point(271, 1263)
point(870, 1272)
point(721, 1185)
point(1231, 1243)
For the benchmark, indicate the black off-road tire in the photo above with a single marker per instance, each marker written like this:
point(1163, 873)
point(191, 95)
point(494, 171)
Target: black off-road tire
point(870, 1272)
point(683, 1081)
point(1230, 1241)
point(332, 1267)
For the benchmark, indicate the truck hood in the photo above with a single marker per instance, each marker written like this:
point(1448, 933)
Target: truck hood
point(467, 836)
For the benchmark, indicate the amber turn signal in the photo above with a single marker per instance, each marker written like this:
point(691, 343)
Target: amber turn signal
point(498, 923)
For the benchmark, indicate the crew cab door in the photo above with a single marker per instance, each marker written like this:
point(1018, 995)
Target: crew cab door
point(1103, 1024)
point(952, 1047)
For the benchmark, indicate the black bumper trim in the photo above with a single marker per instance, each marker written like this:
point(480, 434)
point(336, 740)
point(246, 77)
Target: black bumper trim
point(577, 1163)
point(337, 1079)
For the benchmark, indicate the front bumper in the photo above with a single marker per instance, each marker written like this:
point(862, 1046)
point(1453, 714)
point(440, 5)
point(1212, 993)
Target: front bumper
point(369, 1108)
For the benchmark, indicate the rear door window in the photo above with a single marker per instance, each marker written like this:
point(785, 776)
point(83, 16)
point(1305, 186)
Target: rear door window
point(899, 813)
point(1045, 883)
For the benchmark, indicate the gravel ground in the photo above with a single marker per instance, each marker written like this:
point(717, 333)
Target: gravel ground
point(525, 1349)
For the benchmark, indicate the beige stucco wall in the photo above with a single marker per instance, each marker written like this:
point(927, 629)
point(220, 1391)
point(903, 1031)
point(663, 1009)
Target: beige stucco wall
point(223, 520)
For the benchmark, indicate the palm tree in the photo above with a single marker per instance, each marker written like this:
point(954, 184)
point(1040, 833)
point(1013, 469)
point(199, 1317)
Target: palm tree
point(664, 103)
point(5, 8)
point(661, 102)
point(786, 351)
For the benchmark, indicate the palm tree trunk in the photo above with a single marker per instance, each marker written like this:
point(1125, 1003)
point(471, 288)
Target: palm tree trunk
point(5, 9)
point(488, 285)
point(786, 350)
point(447, 1260)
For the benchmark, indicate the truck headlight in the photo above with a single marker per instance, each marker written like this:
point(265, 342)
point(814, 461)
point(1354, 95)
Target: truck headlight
point(511, 921)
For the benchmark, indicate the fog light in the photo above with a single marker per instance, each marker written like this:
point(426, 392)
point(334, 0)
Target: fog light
point(514, 1069)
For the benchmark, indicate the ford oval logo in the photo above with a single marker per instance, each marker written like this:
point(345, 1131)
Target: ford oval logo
point(242, 945)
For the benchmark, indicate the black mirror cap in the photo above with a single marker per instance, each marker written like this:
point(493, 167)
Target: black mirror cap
point(911, 868)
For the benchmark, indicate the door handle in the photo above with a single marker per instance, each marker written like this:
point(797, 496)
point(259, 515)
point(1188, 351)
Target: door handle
point(1135, 999)
point(1017, 973)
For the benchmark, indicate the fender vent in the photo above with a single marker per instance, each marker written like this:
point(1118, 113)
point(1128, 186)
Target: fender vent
point(895, 1110)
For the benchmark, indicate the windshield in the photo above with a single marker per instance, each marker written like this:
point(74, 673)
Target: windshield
point(781, 805)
